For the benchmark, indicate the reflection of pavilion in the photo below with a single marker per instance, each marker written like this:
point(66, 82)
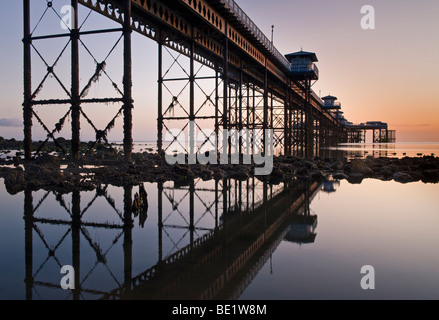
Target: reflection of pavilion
point(301, 230)
point(302, 226)
point(330, 186)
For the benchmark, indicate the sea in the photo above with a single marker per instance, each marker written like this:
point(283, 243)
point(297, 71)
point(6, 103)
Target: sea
point(227, 239)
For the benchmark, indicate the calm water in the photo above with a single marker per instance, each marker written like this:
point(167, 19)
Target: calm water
point(231, 239)
point(392, 150)
point(349, 150)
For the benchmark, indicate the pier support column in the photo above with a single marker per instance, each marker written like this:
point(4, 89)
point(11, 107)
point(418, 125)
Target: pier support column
point(192, 155)
point(127, 84)
point(27, 82)
point(28, 242)
point(309, 132)
point(217, 108)
point(266, 106)
point(127, 237)
point(240, 126)
point(76, 107)
point(216, 205)
point(287, 142)
point(225, 90)
point(76, 242)
point(160, 221)
point(192, 213)
point(225, 205)
point(160, 96)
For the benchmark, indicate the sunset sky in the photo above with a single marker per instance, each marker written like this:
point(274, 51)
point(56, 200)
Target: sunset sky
point(389, 74)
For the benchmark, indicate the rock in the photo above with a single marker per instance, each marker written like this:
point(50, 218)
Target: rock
point(206, 175)
point(302, 172)
point(428, 165)
point(219, 174)
point(240, 175)
point(386, 172)
point(289, 159)
point(317, 175)
point(287, 168)
point(15, 181)
point(403, 168)
point(355, 178)
point(242, 167)
point(277, 174)
point(309, 165)
point(431, 175)
point(48, 161)
point(402, 177)
point(339, 176)
point(360, 167)
point(416, 176)
point(183, 173)
point(103, 171)
point(338, 165)
point(40, 172)
point(133, 170)
point(72, 165)
point(356, 175)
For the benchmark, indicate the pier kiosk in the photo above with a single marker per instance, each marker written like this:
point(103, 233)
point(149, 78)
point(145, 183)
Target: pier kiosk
point(304, 70)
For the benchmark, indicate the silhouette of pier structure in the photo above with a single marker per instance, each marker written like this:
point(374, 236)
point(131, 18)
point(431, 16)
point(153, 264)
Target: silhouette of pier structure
point(245, 223)
point(215, 66)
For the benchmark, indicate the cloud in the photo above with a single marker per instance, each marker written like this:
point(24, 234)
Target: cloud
point(4, 122)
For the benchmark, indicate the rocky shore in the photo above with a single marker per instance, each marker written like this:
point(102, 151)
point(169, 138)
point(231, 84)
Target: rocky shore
point(54, 173)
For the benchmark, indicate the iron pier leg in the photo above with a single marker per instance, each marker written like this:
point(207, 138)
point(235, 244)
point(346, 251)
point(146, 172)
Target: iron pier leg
point(160, 97)
point(28, 241)
point(27, 84)
point(192, 213)
point(127, 84)
point(76, 242)
point(286, 128)
point(216, 204)
point(226, 85)
point(216, 108)
point(265, 122)
point(192, 156)
point(76, 108)
point(128, 237)
point(240, 111)
point(160, 222)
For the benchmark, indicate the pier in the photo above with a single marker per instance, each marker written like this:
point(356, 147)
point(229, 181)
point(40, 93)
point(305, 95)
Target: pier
point(233, 78)
point(244, 222)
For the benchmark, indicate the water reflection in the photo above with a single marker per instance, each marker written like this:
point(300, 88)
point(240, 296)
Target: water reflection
point(208, 237)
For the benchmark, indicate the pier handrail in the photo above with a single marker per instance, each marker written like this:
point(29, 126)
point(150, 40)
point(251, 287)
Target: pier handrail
point(332, 104)
point(250, 25)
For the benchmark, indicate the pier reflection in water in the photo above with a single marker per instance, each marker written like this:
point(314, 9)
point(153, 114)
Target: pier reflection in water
point(204, 240)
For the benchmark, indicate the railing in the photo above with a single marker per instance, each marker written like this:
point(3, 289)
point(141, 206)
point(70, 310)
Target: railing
point(305, 69)
point(249, 24)
point(316, 97)
point(332, 105)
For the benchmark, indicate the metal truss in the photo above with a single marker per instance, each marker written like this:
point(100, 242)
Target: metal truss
point(226, 80)
point(75, 97)
point(187, 100)
point(78, 229)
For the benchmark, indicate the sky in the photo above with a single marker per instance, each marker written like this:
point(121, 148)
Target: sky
point(389, 74)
